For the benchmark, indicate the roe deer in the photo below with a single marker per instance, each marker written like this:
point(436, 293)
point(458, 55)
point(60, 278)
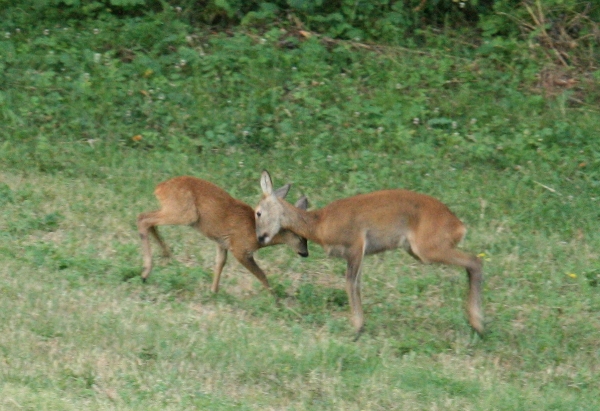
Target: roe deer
point(212, 211)
point(365, 224)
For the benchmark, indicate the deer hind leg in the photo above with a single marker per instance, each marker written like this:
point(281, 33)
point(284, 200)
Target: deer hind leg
point(247, 260)
point(166, 253)
point(474, 269)
point(147, 223)
point(220, 260)
point(353, 276)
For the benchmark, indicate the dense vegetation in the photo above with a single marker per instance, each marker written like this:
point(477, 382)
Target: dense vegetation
point(491, 106)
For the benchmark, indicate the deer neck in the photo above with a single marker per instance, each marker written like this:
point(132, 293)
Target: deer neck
point(304, 223)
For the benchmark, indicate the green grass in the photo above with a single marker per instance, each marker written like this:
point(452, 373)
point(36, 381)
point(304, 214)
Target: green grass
point(79, 330)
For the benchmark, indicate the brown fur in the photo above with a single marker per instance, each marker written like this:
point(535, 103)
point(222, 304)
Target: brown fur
point(220, 217)
point(365, 224)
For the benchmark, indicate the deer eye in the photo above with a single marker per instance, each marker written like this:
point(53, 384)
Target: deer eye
point(258, 213)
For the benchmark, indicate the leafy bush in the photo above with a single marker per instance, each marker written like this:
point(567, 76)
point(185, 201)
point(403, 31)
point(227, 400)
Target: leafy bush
point(566, 31)
point(390, 21)
point(159, 84)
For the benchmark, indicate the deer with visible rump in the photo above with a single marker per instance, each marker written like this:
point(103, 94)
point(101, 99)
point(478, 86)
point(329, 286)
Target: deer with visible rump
point(212, 211)
point(365, 224)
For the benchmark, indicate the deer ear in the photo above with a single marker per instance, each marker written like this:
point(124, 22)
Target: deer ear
point(302, 203)
point(266, 183)
point(281, 192)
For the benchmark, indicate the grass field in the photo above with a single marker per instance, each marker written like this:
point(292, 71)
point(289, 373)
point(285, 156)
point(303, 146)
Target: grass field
point(96, 114)
point(80, 330)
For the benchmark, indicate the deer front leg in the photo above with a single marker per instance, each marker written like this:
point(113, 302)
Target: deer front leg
point(143, 229)
point(247, 260)
point(219, 263)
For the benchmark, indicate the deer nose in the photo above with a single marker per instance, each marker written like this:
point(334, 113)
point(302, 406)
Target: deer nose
point(262, 239)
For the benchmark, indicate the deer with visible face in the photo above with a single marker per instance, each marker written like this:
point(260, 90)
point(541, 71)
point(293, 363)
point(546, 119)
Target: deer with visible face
point(365, 224)
point(220, 217)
